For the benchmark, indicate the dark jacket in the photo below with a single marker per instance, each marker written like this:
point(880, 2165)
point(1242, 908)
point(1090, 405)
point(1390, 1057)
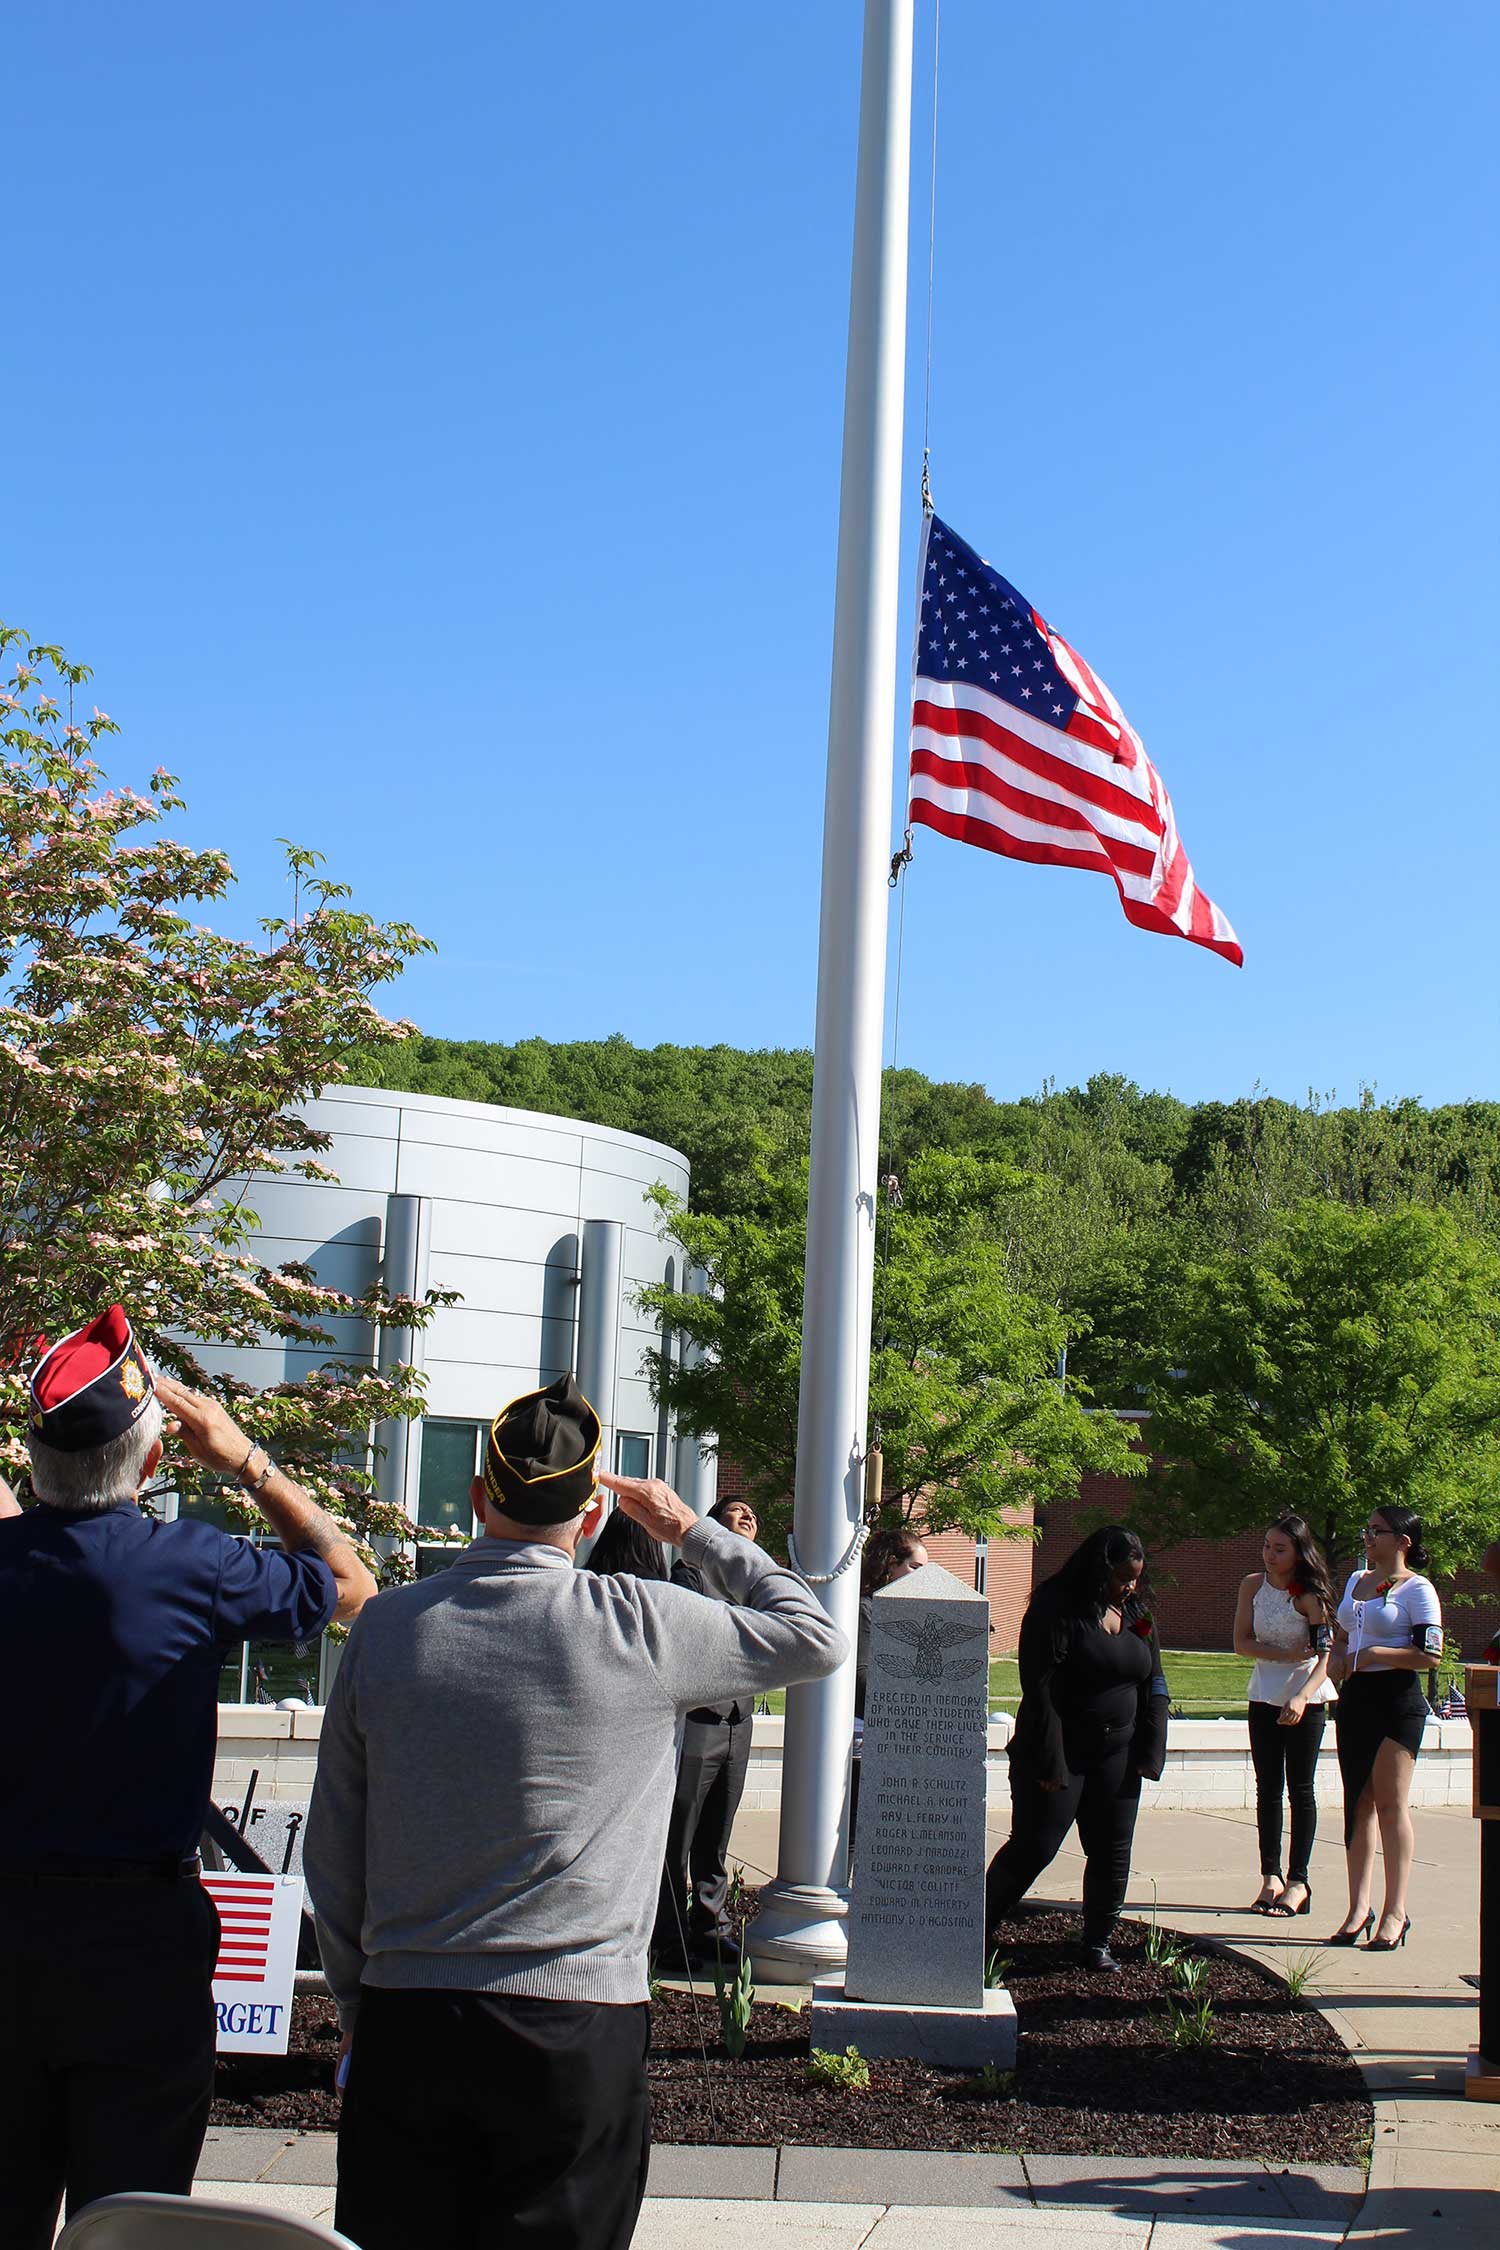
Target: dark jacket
point(1070, 1715)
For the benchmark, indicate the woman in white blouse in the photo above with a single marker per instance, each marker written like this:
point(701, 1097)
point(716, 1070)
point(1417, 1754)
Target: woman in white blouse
point(1390, 1636)
point(1284, 1619)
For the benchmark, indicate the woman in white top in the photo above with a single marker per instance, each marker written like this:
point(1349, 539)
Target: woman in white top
point(1390, 1635)
point(1284, 1619)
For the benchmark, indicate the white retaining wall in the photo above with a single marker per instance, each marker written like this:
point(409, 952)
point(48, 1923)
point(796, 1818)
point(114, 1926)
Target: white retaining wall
point(1208, 1761)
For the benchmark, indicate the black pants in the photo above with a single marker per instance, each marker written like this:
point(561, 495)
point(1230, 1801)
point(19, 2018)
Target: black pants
point(710, 1783)
point(1104, 1801)
point(107, 2039)
point(493, 2121)
point(1286, 1762)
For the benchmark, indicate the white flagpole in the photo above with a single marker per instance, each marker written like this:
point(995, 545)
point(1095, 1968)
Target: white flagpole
point(800, 1930)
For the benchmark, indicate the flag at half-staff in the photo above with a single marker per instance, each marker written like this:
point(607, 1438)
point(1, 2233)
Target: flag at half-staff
point(1017, 746)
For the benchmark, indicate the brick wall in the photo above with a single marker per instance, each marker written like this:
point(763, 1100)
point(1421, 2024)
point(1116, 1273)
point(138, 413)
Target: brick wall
point(1194, 1583)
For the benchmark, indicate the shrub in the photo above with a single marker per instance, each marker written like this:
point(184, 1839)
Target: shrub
point(849, 2072)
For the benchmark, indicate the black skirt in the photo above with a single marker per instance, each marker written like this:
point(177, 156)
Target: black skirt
point(1372, 1708)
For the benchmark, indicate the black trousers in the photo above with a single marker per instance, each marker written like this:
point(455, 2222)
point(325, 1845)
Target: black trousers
point(493, 2121)
point(1104, 1801)
point(710, 1783)
point(1286, 1764)
point(107, 2039)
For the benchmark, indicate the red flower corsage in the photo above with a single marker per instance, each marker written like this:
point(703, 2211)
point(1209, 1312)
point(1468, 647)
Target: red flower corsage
point(1384, 1588)
point(1144, 1624)
point(1296, 1589)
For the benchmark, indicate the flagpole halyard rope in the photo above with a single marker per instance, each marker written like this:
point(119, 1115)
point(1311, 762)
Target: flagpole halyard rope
point(937, 30)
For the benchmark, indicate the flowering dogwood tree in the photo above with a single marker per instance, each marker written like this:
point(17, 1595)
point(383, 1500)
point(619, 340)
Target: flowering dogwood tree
point(145, 1065)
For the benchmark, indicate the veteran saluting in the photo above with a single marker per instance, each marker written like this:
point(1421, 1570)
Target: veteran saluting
point(112, 1631)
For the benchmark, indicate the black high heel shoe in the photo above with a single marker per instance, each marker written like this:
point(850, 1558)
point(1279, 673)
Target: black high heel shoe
point(1277, 1907)
point(1352, 1937)
point(1388, 1944)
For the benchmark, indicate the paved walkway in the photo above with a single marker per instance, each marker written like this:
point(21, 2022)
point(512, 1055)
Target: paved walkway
point(1409, 2018)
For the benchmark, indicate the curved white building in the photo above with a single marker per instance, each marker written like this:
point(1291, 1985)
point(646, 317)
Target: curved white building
point(542, 1225)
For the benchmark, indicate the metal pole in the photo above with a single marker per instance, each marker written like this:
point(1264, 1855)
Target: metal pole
point(800, 1930)
point(403, 1268)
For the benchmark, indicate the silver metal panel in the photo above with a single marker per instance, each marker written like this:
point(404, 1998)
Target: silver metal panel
point(375, 1114)
point(360, 1161)
point(518, 1235)
point(644, 1164)
point(501, 1339)
point(497, 1136)
point(469, 1392)
point(458, 1175)
point(500, 1284)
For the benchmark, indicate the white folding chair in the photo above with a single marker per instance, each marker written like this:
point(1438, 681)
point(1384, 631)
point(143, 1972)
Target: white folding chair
point(181, 2222)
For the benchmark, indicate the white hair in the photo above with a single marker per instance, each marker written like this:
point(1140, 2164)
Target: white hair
point(102, 1476)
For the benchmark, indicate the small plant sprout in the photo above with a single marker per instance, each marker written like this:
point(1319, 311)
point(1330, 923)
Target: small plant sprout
point(1188, 1975)
point(848, 2073)
point(1302, 1974)
point(995, 2083)
point(997, 1968)
point(737, 1897)
point(1163, 1950)
point(736, 1997)
point(1193, 2026)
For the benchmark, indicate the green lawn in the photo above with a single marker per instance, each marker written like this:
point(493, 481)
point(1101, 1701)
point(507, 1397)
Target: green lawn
point(1205, 1684)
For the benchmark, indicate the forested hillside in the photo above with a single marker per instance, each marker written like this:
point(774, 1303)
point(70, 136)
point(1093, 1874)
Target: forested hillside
point(1337, 1266)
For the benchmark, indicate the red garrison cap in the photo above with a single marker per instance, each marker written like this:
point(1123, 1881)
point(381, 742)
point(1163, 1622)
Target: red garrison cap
point(91, 1387)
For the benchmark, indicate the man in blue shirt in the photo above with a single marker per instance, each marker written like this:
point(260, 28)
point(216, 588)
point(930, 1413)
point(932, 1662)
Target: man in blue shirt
point(113, 1628)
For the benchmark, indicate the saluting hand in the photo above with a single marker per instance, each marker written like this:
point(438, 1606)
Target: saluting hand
point(210, 1435)
point(653, 1505)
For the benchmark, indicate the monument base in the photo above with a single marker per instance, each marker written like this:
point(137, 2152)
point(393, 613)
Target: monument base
point(1481, 2079)
point(953, 2038)
point(800, 1933)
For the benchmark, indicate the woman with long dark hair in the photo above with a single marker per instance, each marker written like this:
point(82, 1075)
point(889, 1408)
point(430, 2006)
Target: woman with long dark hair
point(625, 1549)
point(1390, 1634)
point(888, 1555)
point(1093, 1720)
point(1284, 1619)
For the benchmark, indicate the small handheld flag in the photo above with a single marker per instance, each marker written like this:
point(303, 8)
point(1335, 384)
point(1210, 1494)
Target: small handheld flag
point(1017, 746)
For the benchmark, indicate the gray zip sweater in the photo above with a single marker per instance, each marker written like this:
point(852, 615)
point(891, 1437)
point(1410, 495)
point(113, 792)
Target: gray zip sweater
point(497, 1761)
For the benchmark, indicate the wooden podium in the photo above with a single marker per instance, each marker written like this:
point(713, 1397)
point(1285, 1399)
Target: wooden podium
point(1481, 1682)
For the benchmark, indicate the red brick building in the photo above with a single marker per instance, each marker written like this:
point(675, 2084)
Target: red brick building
point(1194, 1583)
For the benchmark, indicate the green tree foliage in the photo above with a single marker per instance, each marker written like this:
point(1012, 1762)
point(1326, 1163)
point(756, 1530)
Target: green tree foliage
point(1118, 1196)
point(1350, 1361)
point(964, 1388)
point(146, 1065)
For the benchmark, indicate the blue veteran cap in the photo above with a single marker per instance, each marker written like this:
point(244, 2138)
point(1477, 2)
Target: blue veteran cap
point(90, 1388)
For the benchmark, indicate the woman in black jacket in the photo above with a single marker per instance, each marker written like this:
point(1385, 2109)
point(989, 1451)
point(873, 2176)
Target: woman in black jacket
point(1093, 1720)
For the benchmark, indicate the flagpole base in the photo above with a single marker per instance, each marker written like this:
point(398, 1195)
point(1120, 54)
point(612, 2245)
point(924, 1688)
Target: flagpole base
point(800, 1933)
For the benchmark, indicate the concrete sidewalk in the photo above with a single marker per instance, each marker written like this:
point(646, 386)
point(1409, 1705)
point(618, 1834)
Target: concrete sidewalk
point(1408, 2017)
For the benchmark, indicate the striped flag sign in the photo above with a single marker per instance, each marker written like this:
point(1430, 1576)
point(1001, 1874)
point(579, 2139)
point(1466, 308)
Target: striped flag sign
point(260, 1919)
point(245, 1904)
point(1019, 747)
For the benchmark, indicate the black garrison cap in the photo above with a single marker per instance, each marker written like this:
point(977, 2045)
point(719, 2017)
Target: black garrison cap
point(540, 1458)
point(91, 1387)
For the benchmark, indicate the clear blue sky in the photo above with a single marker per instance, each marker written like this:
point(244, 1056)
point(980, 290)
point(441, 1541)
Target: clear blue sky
point(426, 420)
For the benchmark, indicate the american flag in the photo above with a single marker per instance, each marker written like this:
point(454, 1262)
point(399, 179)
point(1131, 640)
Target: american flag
point(1017, 746)
point(244, 1903)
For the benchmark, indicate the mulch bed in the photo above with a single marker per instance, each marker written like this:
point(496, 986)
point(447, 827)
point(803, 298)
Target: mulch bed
point(1097, 2073)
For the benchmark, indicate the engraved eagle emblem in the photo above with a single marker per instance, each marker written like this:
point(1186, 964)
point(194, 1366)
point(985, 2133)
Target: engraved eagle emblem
point(927, 1643)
